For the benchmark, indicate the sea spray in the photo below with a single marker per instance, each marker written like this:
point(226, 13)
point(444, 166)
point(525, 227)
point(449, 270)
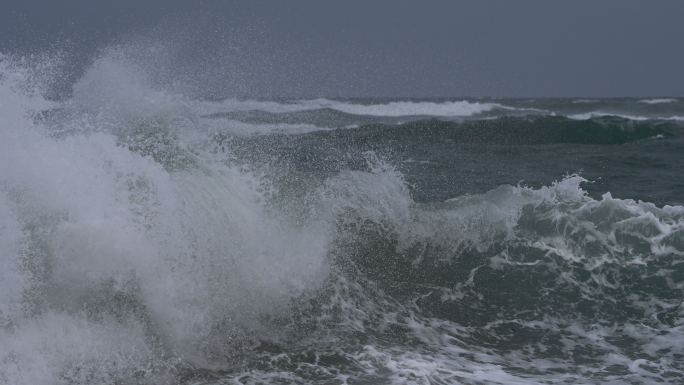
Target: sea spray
point(104, 237)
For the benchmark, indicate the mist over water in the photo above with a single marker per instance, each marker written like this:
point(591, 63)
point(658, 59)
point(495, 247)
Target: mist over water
point(151, 234)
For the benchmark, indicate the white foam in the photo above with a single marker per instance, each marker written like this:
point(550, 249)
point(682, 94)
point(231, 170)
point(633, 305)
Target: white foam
point(59, 348)
point(446, 109)
point(657, 101)
point(392, 109)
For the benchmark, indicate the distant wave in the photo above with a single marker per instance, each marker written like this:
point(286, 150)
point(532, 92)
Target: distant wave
point(517, 130)
point(657, 101)
point(585, 101)
point(460, 108)
point(599, 114)
point(392, 109)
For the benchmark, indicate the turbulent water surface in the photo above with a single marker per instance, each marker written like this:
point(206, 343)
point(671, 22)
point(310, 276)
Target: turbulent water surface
point(147, 237)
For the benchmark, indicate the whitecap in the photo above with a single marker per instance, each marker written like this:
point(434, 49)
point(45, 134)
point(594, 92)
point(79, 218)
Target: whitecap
point(392, 109)
point(657, 101)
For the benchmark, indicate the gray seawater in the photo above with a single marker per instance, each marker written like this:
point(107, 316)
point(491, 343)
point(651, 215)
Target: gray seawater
point(151, 238)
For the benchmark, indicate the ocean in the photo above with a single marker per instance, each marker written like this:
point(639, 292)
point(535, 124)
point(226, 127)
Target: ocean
point(152, 237)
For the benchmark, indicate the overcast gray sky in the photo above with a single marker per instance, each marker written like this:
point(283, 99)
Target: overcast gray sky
point(395, 48)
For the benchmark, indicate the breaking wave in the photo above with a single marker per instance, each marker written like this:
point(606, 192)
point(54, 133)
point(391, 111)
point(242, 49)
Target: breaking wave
point(139, 245)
